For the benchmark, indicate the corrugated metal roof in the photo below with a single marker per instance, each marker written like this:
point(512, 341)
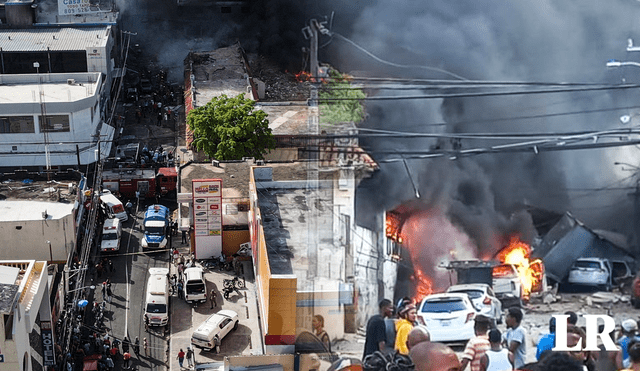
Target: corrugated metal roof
point(55, 39)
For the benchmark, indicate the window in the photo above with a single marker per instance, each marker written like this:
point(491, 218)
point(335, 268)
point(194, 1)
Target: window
point(225, 322)
point(54, 123)
point(16, 124)
point(444, 306)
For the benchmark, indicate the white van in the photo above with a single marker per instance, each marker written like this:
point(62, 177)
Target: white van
point(156, 306)
point(111, 233)
point(194, 286)
point(114, 206)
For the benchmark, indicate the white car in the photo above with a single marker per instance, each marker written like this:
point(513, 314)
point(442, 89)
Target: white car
point(483, 299)
point(591, 272)
point(211, 332)
point(449, 316)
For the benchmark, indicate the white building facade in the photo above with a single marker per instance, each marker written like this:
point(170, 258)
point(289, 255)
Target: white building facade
point(26, 331)
point(52, 120)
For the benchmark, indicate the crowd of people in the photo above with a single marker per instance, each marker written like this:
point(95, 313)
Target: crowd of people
point(397, 335)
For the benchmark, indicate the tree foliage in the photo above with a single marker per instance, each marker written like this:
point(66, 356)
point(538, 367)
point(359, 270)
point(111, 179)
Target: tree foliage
point(336, 111)
point(230, 129)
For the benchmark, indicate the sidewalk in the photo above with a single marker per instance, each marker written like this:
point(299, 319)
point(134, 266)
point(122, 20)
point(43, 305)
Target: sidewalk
point(185, 318)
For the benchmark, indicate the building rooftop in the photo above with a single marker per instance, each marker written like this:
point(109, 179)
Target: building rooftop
point(10, 280)
point(53, 39)
point(218, 72)
point(17, 211)
point(55, 87)
point(292, 217)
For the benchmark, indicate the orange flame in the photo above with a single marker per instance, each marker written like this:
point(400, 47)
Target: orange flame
point(303, 76)
point(392, 227)
point(530, 272)
point(424, 286)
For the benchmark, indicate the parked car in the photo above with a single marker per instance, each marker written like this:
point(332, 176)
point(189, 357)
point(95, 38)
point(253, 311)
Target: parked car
point(621, 272)
point(591, 272)
point(210, 333)
point(449, 316)
point(507, 285)
point(483, 299)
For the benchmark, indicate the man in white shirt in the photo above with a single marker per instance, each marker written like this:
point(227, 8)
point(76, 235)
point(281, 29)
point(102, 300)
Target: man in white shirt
point(515, 339)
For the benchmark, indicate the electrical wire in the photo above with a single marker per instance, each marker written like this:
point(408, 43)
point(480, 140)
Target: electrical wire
point(485, 94)
point(396, 64)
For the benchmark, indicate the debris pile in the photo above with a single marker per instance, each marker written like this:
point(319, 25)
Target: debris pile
point(281, 86)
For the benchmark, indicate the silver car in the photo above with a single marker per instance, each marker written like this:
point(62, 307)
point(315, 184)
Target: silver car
point(483, 299)
point(591, 272)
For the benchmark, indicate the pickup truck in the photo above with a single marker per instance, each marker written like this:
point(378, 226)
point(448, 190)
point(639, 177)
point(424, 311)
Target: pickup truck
point(507, 285)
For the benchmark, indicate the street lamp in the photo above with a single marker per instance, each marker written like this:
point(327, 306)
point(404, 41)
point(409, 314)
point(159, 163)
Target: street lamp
point(633, 167)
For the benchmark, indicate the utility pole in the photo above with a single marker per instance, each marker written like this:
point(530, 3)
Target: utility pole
point(311, 33)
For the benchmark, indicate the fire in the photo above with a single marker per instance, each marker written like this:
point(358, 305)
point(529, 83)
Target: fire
point(303, 76)
point(393, 227)
point(424, 286)
point(530, 271)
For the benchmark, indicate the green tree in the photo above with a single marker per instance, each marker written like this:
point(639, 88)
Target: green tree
point(230, 129)
point(344, 102)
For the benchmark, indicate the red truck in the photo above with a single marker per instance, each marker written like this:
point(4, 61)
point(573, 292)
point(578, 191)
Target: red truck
point(147, 182)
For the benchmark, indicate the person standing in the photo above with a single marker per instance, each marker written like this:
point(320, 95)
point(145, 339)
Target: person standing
point(376, 332)
point(184, 237)
point(180, 357)
point(404, 326)
point(126, 360)
point(212, 298)
point(136, 347)
point(190, 356)
point(477, 345)
point(496, 358)
point(547, 341)
point(515, 338)
point(629, 329)
point(180, 290)
point(104, 291)
point(318, 329)
point(145, 345)
point(109, 293)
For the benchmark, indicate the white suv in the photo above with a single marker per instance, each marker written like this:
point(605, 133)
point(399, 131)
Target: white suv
point(507, 285)
point(591, 272)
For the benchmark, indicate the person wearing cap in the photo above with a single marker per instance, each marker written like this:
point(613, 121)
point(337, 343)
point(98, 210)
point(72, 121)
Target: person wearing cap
point(404, 326)
point(496, 358)
point(547, 341)
point(629, 329)
point(515, 339)
point(477, 345)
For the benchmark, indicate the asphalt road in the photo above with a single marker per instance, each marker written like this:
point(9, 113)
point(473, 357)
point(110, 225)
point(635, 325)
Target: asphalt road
point(124, 315)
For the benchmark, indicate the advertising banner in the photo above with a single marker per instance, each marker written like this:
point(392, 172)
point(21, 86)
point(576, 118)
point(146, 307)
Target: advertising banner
point(207, 217)
point(48, 356)
point(71, 7)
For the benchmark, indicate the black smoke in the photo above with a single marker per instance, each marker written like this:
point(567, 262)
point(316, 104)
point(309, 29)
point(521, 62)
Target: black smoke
point(537, 41)
point(532, 41)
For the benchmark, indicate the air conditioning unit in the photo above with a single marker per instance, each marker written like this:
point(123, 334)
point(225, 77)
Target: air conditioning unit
point(71, 81)
point(243, 208)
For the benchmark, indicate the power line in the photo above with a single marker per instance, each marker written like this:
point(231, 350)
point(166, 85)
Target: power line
point(485, 94)
point(395, 64)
